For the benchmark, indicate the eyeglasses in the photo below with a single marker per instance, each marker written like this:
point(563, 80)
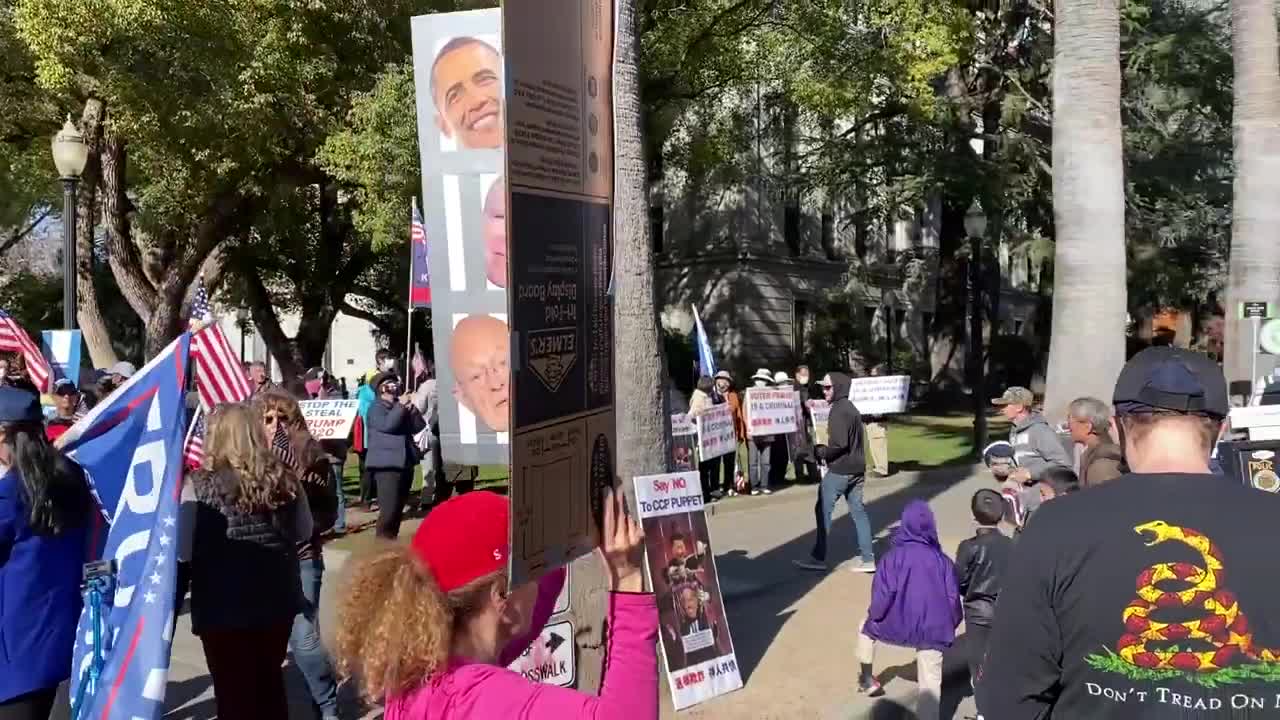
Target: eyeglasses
point(272, 418)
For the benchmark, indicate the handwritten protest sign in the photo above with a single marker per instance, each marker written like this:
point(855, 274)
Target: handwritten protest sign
point(329, 419)
point(770, 411)
point(819, 412)
point(716, 435)
point(684, 437)
point(694, 630)
point(880, 395)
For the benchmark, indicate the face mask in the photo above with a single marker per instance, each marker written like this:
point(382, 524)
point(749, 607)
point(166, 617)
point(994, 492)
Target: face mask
point(802, 379)
point(389, 364)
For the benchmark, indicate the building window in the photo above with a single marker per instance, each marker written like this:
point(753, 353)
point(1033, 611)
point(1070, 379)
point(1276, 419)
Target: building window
point(655, 227)
point(791, 226)
point(799, 323)
point(828, 231)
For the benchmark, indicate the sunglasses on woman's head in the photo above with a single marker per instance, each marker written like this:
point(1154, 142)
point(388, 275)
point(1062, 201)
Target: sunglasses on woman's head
point(272, 418)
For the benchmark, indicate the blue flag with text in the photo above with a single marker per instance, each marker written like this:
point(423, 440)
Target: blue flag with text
point(130, 447)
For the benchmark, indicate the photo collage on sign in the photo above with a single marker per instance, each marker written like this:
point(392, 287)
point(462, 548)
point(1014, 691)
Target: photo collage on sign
point(459, 74)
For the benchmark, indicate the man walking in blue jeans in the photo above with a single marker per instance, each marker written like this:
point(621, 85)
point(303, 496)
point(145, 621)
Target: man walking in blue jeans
point(846, 470)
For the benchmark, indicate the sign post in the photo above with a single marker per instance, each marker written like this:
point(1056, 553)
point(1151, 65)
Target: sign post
point(1256, 311)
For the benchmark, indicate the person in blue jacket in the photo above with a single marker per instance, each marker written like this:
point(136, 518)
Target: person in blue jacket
point(45, 510)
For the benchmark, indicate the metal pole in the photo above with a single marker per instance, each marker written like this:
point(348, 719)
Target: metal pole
point(978, 374)
point(242, 328)
point(69, 252)
point(1253, 355)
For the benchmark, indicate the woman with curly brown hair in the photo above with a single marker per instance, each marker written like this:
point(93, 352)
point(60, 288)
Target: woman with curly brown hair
point(245, 590)
point(431, 627)
point(280, 413)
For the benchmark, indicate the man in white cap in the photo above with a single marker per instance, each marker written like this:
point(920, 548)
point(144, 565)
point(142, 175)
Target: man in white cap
point(760, 447)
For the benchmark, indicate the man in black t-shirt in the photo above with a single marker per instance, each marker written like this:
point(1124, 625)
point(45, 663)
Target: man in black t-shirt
point(1154, 595)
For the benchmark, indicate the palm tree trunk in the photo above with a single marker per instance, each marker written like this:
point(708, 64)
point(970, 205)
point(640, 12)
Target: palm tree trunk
point(1254, 271)
point(1090, 298)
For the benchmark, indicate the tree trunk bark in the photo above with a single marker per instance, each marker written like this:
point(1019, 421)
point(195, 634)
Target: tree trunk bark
point(1254, 271)
point(1087, 347)
point(126, 260)
point(88, 312)
point(643, 436)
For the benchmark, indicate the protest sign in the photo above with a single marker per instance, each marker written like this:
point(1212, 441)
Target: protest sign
point(819, 412)
point(549, 659)
point(771, 411)
point(329, 419)
point(460, 145)
point(798, 441)
point(559, 245)
point(684, 437)
point(880, 395)
point(693, 627)
point(716, 434)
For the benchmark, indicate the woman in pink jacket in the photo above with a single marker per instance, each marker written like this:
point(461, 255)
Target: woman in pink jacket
point(431, 627)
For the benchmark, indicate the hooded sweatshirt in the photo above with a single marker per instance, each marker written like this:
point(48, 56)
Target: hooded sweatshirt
point(844, 450)
point(915, 601)
point(474, 691)
point(1036, 446)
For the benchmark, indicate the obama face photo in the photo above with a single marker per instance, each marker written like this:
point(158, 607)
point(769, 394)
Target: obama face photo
point(466, 85)
point(480, 354)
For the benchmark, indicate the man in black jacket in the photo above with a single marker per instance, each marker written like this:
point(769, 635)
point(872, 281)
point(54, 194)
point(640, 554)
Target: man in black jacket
point(846, 469)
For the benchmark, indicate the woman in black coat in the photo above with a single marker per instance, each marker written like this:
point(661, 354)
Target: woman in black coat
point(391, 453)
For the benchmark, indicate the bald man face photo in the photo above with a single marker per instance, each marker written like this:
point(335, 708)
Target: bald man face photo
point(495, 233)
point(466, 84)
point(481, 368)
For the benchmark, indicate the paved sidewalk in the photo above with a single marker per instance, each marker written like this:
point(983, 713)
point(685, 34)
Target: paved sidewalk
point(793, 630)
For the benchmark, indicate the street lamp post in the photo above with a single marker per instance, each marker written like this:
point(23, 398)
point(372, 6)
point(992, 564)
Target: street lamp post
point(242, 322)
point(975, 226)
point(70, 153)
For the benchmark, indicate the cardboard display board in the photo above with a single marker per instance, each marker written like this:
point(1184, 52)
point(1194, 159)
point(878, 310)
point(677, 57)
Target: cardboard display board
point(559, 216)
point(697, 649)
point(716, 434)
point(684, 440)
point(770, 411)
point(329, 419)
point(459, 78)
point(881, 395)
point(819, 413)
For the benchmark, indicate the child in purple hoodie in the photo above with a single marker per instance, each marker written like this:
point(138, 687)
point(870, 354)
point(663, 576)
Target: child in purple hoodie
point(915, 603)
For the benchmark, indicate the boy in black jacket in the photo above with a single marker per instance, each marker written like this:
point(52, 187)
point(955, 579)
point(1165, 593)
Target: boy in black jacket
point(980, 564)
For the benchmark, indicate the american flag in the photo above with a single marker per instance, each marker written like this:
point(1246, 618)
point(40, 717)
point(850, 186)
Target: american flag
point(420, 282)
point(219, 375)
point(193, 448)
point(14, 339)
point(280, 444)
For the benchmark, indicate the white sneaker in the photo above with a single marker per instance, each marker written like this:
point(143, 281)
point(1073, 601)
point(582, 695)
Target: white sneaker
point(732, 493)
point(862, 566)
point(755, 492)
point(767, 491)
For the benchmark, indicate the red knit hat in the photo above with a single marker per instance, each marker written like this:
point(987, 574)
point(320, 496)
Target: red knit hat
point(465, 538)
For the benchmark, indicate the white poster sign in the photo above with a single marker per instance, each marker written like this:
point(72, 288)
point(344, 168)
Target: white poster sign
point(770, 411)
point(682, 424)
point(329, 419)
point(819, 412)
point(550, 658)
point(694, 630)
point(716, 434)
point(880, 395)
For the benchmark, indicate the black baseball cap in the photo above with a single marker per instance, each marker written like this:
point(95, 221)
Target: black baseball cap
point(64, 387)
point(1170, 380)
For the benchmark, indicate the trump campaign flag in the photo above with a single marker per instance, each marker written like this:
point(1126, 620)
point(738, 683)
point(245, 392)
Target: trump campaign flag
point(131, 448)
point(706, 361)
point(420, 280)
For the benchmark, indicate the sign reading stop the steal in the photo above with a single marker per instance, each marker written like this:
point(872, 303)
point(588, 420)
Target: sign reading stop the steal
point(329, 419)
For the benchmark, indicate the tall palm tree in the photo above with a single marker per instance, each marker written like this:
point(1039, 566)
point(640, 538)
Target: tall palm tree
point(1086, 350)
point(1254, 271)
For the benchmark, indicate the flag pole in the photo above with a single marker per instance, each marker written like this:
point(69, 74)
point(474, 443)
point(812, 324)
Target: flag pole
point(408, 341)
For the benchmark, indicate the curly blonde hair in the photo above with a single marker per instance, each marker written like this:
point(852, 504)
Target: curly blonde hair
point(395, 625)
point(239, 466)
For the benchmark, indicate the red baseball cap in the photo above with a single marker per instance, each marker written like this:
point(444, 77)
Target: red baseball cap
point(465, 538)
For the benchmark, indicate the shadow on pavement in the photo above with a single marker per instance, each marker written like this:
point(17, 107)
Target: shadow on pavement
point(773, 585)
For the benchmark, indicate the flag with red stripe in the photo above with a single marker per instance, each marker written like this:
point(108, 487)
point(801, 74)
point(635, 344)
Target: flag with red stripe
point(220, 377)
point(193, 448)
point(420, 283)
point(16, 340)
